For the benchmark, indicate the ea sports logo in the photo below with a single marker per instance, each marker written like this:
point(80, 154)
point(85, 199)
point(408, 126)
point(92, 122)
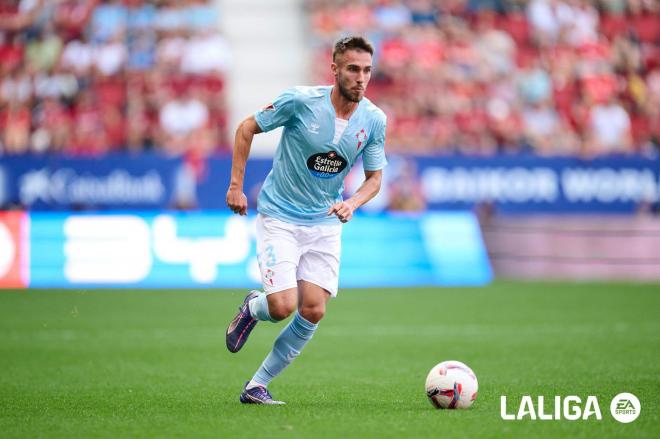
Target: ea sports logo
point(625, 407)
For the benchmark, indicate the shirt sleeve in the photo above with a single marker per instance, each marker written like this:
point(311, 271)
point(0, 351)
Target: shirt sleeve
point(373, 157)
point(279, 113)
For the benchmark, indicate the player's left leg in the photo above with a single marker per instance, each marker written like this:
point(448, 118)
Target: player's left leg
point(312, 300)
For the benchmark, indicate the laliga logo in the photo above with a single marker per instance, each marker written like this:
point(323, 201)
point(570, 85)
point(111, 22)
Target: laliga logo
point(625, 407)
point(570, 408)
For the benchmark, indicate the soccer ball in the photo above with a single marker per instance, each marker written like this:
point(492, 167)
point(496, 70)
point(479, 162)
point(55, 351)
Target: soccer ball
point(451, 385)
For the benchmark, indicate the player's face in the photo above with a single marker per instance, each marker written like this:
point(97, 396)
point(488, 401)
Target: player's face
point(352, 74)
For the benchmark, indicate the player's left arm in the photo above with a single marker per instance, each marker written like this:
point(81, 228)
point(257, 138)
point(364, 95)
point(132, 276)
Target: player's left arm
point(369, 189)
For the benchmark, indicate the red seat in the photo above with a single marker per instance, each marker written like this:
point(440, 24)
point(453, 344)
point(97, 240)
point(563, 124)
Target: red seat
point(613, 25)
point(651, 57)
point(640, 128)
point(515, 25)
point(647, 27)
point(525, 56)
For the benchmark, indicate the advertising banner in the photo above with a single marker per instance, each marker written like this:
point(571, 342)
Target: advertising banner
point(505, 183)
point(530, 184)
point(13, 249)
point(115, 181)
point(215, 249)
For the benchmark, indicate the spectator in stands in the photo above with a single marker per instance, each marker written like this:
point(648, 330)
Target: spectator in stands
point(52, 122)
point(183, 119)
point(15, 121)
point(89, 137)
point(108, 21)
point(109, 57)
point(77, 56)
point(453, 75)
point(71, 17)
point(141, 35)
point(549, 19)
point(404, 189)
point(392, 15)
point(423, 12)
point(468, 79)
point(609, 125)
point(56, 83)
point(205, 52)
point(171, 17)
point(67, 65)
point(496, 48)
point(535, 83)
point(201, 16)
point(43, 51)
point(139, 135)
point(16, 87)
point(582, 23)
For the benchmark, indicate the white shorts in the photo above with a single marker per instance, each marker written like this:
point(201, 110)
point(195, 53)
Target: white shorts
point(288, 253)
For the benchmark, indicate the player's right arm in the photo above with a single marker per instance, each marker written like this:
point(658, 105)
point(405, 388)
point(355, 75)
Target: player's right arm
point(276, 114)
point(236, 199)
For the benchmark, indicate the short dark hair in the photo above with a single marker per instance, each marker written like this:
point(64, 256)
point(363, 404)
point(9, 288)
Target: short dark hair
point(351, 43)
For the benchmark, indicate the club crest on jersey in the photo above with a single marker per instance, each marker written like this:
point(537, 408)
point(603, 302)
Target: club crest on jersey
point(326, 164)
point(269, 107)
point(361, 137)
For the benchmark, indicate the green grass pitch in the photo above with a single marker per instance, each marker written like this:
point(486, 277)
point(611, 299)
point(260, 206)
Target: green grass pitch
point(118, 363)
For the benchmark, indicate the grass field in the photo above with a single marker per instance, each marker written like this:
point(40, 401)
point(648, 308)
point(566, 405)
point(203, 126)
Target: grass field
point(122, 363)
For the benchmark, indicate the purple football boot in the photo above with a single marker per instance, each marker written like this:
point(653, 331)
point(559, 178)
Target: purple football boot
point(239, 329)
point(257, 395)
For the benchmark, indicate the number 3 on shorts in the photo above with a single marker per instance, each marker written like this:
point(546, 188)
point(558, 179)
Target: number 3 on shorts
point(269, 256)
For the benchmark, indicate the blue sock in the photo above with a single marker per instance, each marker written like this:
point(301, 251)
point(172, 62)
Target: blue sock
point(259, 308)
point(288, 345)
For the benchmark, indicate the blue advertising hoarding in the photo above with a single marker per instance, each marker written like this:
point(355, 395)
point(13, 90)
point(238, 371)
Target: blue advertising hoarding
point(508, 183)
point(532, 184)
point(115, 181)
point(215, 249)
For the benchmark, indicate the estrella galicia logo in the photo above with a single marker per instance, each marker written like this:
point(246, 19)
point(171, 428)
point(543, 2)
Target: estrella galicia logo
point(326, 164)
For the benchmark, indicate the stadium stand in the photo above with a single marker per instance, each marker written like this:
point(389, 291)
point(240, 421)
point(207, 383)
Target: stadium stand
point(552, 77)
point(88, 77)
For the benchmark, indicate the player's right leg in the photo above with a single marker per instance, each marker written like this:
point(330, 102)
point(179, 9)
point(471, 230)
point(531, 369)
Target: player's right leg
point(241, 325)
point(280, 305)
point(278, 255)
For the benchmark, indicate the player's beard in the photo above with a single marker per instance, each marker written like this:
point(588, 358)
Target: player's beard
point(348, 93)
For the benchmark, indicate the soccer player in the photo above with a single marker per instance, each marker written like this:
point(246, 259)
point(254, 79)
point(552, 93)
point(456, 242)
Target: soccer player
point(300, 207)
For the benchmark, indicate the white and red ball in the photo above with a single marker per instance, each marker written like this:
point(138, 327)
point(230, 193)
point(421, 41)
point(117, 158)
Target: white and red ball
point(451, 385)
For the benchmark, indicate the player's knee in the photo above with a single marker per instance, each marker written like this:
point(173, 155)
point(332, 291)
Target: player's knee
point(280, 307)
point(313, 313)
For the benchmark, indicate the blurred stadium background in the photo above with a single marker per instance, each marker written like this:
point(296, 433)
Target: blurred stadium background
point(523, 141)
point(538, 118)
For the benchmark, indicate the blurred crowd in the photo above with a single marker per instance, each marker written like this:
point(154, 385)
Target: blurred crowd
point(552, 77)
point(88, 77)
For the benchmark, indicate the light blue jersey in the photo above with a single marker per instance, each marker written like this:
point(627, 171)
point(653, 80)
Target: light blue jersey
point(310, 164)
